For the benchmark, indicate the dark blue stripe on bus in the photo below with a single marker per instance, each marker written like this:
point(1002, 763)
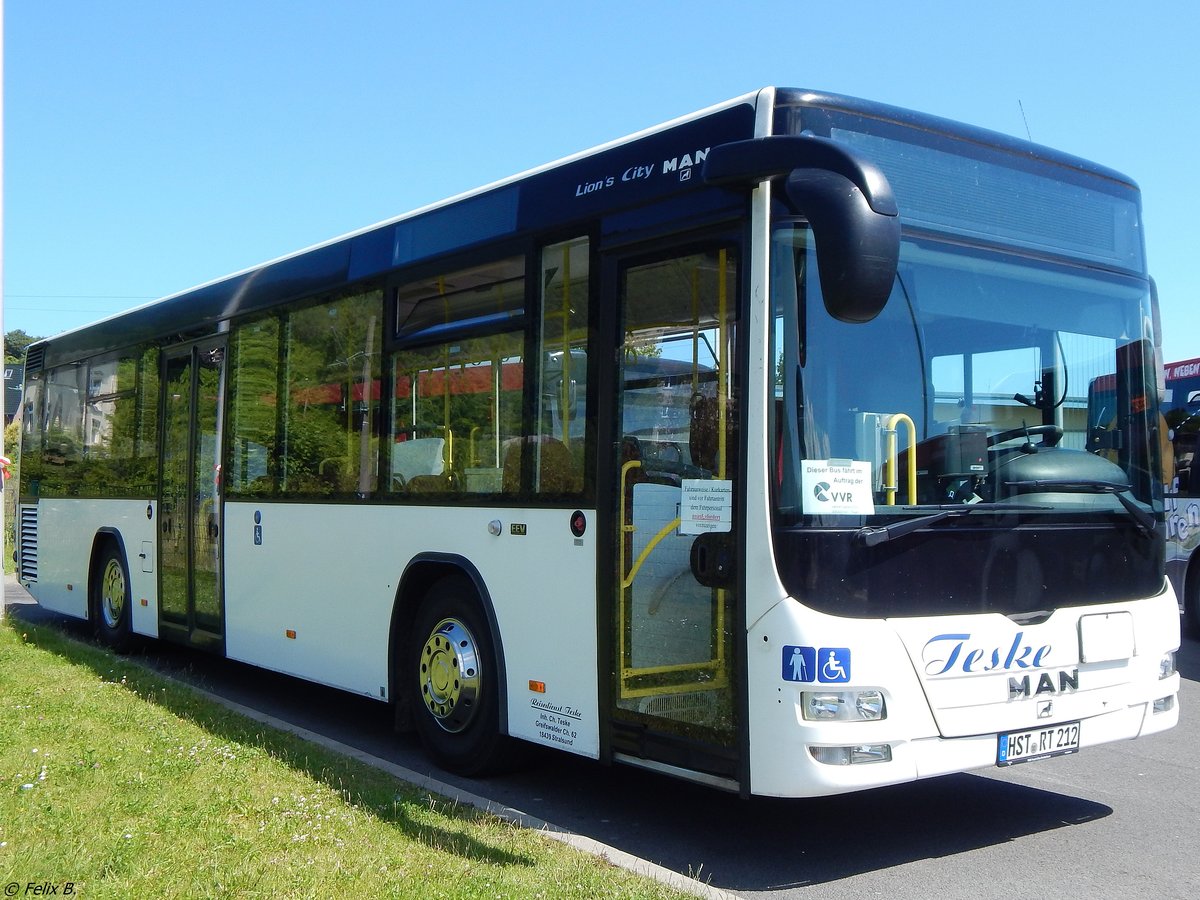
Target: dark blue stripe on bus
point(625, 177)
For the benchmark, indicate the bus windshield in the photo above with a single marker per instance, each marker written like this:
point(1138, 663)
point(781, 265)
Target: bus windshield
point(958, 414)
point(971, 387)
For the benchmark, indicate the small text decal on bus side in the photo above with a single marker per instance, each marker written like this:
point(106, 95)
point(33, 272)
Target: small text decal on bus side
point(680, 166)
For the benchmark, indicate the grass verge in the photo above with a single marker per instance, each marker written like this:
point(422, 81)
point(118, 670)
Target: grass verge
point(124, 784)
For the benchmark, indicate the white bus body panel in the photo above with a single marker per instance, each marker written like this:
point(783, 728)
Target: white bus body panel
point(329, 573)
point(987, 673)
point(945, 710)
point(67, 528)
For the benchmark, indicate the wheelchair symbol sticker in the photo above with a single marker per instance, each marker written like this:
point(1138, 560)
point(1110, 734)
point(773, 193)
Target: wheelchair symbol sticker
point(826, 665)
point(835, 665)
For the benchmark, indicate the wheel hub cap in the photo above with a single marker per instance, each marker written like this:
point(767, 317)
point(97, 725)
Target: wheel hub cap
point(449, 675)
point(112, 594)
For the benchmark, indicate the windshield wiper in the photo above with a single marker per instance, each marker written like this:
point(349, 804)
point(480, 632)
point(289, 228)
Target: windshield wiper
point(1144, 520)
point(878, 534)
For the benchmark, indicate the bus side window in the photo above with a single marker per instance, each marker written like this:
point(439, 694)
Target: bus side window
point(458, 382)
point(559, 465)
point(65, 393)
point(251, 468)
point(332, 362)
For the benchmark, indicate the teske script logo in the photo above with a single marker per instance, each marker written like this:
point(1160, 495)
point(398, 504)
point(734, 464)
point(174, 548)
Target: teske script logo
point(946, 654)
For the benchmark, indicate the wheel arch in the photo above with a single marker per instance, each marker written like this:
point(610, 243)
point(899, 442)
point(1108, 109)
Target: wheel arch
point(422, 572)
point(1191, 595)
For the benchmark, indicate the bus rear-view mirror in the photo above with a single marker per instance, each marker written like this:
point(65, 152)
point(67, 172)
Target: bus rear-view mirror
point(847, 201)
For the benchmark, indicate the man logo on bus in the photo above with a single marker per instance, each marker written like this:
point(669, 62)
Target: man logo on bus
point(684, 164)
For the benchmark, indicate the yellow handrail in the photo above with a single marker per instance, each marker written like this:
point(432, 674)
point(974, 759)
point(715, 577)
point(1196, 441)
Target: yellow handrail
point(893, 457)
point(627, 577)
point(627, 580)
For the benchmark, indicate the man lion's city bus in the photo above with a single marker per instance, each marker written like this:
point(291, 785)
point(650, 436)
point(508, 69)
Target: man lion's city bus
point(747, 449)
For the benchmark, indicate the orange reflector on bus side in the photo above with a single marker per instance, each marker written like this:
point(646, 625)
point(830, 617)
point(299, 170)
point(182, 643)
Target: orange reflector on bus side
point(538, 687)
point(291, 634)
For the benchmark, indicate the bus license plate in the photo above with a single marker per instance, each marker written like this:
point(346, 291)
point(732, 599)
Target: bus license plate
point(1038, 743)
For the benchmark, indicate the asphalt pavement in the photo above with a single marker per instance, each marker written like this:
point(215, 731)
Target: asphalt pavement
point(1118, 820)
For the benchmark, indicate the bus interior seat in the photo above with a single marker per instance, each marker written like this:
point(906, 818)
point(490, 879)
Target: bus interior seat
point(558, 474)
point(416, 457)
point(429, 484)
point(661, 462)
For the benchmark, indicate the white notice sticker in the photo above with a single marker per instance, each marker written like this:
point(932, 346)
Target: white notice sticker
point(705, 505)
point(837, 487)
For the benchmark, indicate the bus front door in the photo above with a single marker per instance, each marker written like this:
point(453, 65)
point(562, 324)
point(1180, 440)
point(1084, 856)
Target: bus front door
point(189, 507)
point(674, 696)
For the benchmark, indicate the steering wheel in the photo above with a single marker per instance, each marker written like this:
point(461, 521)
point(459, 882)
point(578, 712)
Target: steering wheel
point(1051, 435)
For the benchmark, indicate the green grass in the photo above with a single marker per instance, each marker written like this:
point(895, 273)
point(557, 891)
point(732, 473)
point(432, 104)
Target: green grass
point(130, 785)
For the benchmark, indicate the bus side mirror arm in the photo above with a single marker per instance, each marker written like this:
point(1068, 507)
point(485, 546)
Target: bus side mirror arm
point(847, 201)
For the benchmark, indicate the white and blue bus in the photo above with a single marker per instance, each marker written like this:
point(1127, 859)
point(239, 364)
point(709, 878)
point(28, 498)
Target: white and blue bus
point(738, 449)
point(1181, 411)
point(1179, 426)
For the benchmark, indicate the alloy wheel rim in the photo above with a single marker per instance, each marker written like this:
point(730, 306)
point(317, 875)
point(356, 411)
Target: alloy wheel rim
point(449, 675)
point(112, 594)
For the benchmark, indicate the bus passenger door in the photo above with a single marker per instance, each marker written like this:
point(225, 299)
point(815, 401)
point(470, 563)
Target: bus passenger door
point(189, 503)
point(675, 698)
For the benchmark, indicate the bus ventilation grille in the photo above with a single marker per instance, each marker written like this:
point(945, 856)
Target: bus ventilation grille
point(34, 360)
point(29, 543)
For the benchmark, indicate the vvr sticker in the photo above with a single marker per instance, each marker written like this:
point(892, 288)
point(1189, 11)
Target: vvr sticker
point(824, 665)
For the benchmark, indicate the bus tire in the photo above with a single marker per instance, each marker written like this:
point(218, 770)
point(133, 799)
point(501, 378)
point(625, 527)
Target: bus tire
point(452, 671)
point(111, 603)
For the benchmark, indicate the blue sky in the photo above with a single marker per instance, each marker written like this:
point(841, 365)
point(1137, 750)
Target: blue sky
point(151, 145)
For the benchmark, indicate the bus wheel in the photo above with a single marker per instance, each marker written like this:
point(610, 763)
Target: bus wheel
point(453, 669)
point(111, 610)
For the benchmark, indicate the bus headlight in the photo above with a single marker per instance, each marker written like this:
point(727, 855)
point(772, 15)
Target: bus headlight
point(844, 706)
point(1166, 665)
point(852, 756)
